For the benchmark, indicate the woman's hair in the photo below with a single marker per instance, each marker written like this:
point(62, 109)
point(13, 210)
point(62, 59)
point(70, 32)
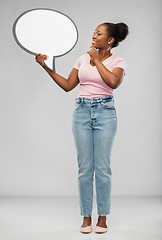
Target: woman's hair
point(119, 31)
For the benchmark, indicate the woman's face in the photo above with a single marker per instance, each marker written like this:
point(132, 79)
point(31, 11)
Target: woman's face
point(100, 37)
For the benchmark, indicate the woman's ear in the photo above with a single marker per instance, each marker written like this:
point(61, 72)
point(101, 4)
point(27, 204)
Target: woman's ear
point(111, 40)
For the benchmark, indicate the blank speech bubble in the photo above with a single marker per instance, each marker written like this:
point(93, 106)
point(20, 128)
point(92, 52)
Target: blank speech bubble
point(45, 31)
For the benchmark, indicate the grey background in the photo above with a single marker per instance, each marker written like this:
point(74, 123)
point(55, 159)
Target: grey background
point(37, 151)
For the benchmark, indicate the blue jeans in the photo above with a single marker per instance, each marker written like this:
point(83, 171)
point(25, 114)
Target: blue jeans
point(94, 127)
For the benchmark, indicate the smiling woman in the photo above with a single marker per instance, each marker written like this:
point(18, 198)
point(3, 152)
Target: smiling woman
point(94, 124)
point(107, 36)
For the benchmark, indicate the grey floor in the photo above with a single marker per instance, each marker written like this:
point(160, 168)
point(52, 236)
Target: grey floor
point(50, 218)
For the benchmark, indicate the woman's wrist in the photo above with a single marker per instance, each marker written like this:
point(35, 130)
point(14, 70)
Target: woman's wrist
point(97, 61)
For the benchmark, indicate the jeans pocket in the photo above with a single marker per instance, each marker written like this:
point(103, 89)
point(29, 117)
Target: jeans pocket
point(77, 105)
point(108, 105)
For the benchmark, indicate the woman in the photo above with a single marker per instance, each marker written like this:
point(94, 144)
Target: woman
point(94, 117)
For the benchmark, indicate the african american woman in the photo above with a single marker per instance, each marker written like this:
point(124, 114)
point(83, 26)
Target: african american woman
point(94, 122)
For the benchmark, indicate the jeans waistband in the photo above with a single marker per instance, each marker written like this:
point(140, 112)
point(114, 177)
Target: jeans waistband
point(95, 100)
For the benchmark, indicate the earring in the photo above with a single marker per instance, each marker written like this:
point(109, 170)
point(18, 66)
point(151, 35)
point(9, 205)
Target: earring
point(108, 42)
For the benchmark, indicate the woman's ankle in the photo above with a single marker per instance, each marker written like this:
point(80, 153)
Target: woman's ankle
point(86, 221)
point(102, 222)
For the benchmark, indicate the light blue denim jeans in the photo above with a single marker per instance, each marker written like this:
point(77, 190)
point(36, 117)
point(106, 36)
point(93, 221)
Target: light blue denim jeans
point(94, 127)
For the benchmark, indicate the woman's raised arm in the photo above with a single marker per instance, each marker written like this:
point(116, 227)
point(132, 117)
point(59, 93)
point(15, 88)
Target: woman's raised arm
point(66, 84)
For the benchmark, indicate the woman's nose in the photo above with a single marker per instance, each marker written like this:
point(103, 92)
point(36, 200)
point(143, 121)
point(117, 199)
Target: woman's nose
point(94, 36)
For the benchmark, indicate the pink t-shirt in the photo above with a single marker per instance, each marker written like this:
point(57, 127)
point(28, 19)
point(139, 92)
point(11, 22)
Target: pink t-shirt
point(91, 83)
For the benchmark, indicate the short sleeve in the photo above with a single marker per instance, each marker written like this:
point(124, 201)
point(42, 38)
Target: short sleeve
point(120, 63)
point(78, 63)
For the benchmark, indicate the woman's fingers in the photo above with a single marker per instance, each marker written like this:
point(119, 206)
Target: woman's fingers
point(40, 58)
point(44, 57)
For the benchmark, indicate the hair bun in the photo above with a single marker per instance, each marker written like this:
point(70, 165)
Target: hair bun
point(123, 30)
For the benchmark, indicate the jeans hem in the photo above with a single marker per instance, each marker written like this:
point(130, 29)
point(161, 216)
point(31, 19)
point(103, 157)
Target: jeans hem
point(104, 214)
point(86, 215)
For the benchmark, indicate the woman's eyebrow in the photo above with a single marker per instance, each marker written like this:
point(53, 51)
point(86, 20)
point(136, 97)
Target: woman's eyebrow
point(98, 31)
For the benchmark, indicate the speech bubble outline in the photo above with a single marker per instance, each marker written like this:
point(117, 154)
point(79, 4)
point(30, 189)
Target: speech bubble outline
point(50, 63)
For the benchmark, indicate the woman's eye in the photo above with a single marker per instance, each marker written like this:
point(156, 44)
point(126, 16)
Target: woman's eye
point(99, 34)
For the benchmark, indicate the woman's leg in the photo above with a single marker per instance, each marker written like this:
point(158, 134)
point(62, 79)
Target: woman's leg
point(83, 136)
point(104, 133)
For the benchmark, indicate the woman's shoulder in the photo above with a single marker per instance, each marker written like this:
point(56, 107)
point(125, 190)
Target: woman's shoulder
point(81, 60)
point(84, 56)
point(118, 62)
point(116, 59)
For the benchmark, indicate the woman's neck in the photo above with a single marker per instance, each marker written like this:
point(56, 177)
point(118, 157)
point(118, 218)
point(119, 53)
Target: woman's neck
point(104, 54)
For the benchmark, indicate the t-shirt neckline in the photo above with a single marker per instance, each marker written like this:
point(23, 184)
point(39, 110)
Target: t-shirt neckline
point(102, 61)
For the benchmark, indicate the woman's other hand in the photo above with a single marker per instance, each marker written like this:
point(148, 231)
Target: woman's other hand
point(94, 54)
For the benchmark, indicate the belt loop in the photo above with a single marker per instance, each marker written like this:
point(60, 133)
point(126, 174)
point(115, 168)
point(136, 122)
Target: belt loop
point(82, 101)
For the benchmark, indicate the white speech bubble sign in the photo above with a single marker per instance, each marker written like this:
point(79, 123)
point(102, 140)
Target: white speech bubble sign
point(45, 31)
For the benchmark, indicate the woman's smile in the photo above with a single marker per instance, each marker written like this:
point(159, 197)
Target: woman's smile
point(93, 42)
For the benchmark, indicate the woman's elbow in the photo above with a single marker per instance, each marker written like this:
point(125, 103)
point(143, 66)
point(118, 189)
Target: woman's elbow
point(115, 84)
point(67, 90)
